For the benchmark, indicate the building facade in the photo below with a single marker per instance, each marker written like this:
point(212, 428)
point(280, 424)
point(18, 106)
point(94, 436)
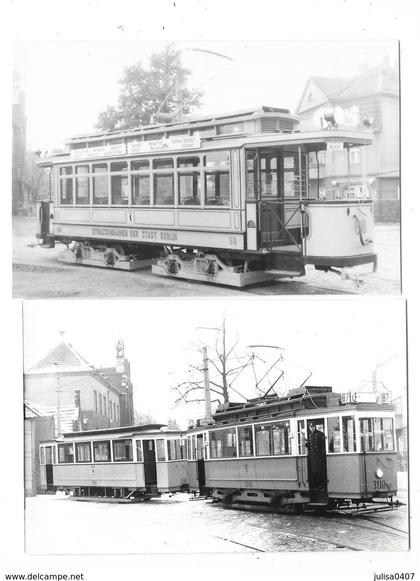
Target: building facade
point(37, 428)
point(370, 99)
point(79, 396)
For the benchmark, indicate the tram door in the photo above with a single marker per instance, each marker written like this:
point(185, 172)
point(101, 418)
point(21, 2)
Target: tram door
point(45, 210)
point(201, 475)
point(266, 179)
point(317, 460)
point(149, 459)
point(49, 467)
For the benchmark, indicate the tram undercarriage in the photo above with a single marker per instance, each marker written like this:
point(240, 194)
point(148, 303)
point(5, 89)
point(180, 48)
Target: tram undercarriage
point(292, 502)
point(235, 269)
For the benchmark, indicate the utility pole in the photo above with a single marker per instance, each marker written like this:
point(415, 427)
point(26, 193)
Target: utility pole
point(207, 400)
point(58, 405)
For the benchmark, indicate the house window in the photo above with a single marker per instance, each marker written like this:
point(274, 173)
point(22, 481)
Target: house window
point(95, 400)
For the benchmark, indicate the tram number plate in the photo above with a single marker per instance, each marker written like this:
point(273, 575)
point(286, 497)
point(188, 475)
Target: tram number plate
point(380, 485)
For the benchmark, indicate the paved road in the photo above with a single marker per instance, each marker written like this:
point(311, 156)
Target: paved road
point(178, 525)
point(38, 274)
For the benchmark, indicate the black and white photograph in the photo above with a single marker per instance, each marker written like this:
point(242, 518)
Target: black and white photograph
point(210, 301)
point(206, 168)
point(220, 434)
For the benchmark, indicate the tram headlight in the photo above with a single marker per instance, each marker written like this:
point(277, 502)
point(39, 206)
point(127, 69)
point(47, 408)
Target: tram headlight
point(379, 472)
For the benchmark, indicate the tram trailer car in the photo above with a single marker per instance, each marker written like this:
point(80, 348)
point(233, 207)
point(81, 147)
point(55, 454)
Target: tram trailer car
point(224, 199)
point(129, 463)
point(254, 454)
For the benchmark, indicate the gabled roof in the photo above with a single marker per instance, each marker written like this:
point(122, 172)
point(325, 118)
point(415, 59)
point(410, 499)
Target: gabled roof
point(114, 378)
point(63, 358)
point(376, 80)
point(331, 85)
point(372, 82)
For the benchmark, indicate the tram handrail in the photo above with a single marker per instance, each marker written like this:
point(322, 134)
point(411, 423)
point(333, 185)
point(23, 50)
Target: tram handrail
point(269, 206)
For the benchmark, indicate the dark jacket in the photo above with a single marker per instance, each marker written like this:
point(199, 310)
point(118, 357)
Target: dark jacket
point(316, 442)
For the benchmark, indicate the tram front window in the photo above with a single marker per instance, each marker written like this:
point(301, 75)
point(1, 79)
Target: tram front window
point(376, 434)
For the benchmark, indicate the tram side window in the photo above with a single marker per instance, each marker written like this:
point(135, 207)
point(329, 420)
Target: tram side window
point(119, 183)
point(217, 179)
point(189, 184)
point(102, 451)
point(65, 453)
point(281, 432)
point(163, 183)
point(269, 175)
point(66, 186)
point(82, 185)
point(160, 450)
point(290, 169)
point(140, 189)
point(246, 446)
point(272, 439)
point(174, 450)
point(139, 451)
point(123, 450)
point(349, 434)
point(223, 443)
point(100, 184)
point(251, 176)
point(301, 437)
point(83, 452)
point(334, 435)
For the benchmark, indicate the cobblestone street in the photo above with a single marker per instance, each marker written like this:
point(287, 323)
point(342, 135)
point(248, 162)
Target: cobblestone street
point(38, 274)
point(178, 525)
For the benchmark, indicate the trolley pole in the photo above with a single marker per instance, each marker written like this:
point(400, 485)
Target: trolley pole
point(207, 400)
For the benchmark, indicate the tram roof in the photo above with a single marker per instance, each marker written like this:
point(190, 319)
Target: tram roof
point(307, 140)
point(122, 431)
point(192, 121)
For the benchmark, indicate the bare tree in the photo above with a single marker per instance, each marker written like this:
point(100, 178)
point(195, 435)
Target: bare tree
point(143, 418)
point(225, 367)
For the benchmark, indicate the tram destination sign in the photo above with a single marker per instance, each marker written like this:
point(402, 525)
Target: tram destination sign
point(155, 145)
point(360, 397)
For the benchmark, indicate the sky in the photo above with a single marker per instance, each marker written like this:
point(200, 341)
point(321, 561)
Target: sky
point(339, 344)
point(67, 83)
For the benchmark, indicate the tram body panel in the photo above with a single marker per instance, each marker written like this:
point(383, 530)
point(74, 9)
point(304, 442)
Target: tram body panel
point(339, 230)
point(172, 476)
point(124, 475)
point(385, 463)
point(123, 233)
point(279, 473)
point(352, 475)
